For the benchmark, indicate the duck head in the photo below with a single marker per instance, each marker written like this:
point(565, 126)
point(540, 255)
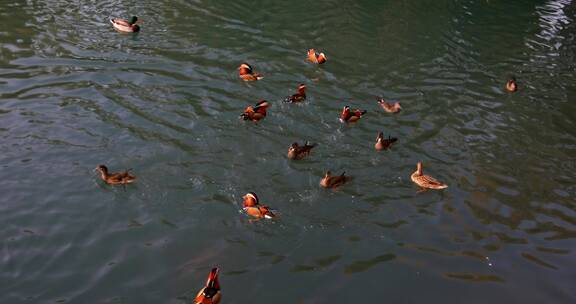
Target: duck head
point(250, 199)
point(302, 89)
point(419, 168)
point(244, 69)
point(133, 20)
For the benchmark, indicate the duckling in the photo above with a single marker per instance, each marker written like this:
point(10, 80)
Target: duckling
point(126, 26)
point(296, 152)
point(299, 96)
point(120, 178)
point(210, 293)
point(349, 116)
point(389, 107)
point(426, 181)
point(511, 85)
point(382, 143)
point(252, 207)
point(257, 112)
point(247, 74)
point(315, 57)
point(334, 181)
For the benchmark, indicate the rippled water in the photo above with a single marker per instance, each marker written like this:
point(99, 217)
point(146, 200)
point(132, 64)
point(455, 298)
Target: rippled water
point(74, 93)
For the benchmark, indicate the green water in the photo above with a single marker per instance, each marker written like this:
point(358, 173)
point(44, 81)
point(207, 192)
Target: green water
point(74, 94)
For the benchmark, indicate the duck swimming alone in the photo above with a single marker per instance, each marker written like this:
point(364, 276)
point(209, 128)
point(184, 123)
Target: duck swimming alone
point(511, 85)
point(120, 178)
point(210, 293)
point(389, 107)
point(349, 116)
point(315, 57)
point(299, 96)
point(126, 26)
point(334, 181)
point(247, 74)
point(297, 152)
point(253, 208)
point(426, 181)
point(257, 112)
point(384, 143)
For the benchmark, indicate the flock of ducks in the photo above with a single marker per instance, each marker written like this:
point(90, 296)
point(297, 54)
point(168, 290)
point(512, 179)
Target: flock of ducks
point(210, 293)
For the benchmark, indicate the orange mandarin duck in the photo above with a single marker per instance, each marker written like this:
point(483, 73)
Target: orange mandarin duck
point(120, 178)
point(299, 96)
point(384, 143)
point(210, 293)
point(257, 112)
point(334, 181)
point(511, 85)
point(351, 116)
point(247, 74)
point(318, 58)
point(426, 181)
point(297, 152)
point(253, 208)
point(389, 107)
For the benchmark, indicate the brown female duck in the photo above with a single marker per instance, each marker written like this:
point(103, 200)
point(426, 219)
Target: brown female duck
point(334, 181)
point(299, 96)
point(384, 143)
point(125, 25)
point(297, 152)
point(253, 208)
point(511, 85)
point(426, 181)
point(247, 74)
point(389, 107)
point(210, 293)
point(120, 178)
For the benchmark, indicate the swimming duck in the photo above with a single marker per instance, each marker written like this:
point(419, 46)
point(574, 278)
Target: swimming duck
point(247, 74)
point(120, 178)
point(257, 112)
point(125, 25)
point(511, 85)
point(384, 143)
point(349, 116)
point(315, 57)
point(389, 107)
point(299, 96)
point(334, 181)
point(296, 152)
point(426, 181)
point(252, 207)
point(210, 293)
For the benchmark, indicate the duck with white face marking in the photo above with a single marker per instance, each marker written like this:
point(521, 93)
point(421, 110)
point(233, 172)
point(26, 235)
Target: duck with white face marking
point(253, 208)
point(349, 116)
point(246, 72)
point(257, 112)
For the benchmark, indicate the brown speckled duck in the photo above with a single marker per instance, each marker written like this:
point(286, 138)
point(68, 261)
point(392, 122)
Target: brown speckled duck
point(389, 107)
point(257, 112)
point(125, 25)
point(299, 96)
point(247, 74)
point(210, 293)
point(297, 152)
point(351, 116)
point(253, 208)
point(384, 143)
point(511, 85)
point(317, 58)
point(120, 178)
point(426, 181)
point(334, 181)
